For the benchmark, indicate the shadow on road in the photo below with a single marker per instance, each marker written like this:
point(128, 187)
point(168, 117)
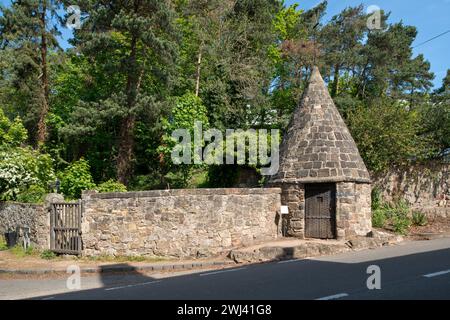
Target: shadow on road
point(285, 280)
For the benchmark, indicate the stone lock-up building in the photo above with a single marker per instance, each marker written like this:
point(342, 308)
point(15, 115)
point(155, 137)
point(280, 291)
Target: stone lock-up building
point(324, 181)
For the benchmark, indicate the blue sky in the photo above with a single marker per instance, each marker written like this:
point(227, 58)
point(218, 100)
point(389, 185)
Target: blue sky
point(429, 17)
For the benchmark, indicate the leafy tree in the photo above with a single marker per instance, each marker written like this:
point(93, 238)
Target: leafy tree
point(34, 194)
point(231, 40)
point(298, 50)
point(187, 111)
point(12, 133)
point(436, 116)
point(387, 134)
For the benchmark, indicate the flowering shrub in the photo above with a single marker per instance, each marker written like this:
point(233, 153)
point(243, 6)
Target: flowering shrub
point(22, 168)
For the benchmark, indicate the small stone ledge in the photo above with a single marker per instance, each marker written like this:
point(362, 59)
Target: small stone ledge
point(183, 192)
point(276, 253)
point(311, 248)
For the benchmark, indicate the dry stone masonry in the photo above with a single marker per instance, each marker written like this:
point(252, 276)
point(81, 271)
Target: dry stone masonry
point(178, 223)
point(33, 216)
point(420, 185)
point(426, 187)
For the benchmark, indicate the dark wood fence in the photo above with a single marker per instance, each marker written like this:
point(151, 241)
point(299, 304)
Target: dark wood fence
point(65, 228)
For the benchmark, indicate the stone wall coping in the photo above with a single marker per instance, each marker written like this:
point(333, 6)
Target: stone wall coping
point(181, 192)
point(9, 203)
point(320, 180)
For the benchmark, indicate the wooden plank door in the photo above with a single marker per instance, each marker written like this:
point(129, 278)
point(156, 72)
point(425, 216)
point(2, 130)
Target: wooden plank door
point(65, 228)
point(320, 211)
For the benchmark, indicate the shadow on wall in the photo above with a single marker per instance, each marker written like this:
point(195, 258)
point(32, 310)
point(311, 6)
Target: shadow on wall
point(299, 279)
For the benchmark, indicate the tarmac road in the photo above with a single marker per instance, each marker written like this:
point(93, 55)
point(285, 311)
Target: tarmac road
point(413, 270)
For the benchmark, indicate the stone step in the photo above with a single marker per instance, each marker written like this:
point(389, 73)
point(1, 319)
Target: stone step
point(299, 249)
point(265, 254)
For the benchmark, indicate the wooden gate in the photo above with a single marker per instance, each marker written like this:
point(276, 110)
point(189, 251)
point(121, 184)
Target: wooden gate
point(65, 228)
point(320, 211)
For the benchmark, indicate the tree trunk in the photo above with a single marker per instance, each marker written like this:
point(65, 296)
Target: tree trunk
point(362, 82)
point(126, 133)
point(42, 128)
point(126, 146)
point(334, 88)
point(126, 139)
point(199, 69)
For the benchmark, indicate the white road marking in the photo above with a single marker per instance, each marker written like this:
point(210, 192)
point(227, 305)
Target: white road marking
point(49, 298)
point(435, 274)
point(333, 297)
point(132, 285)
point(221, 271)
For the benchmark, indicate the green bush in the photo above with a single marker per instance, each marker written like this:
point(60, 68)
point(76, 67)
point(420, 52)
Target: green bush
point(76, 178)
point(34, 194)
point(394, 214)
point(401, 223)
point(397, 212)
point(111, 186)
point(3, 244)
point(419, 218)
point(379, 218)
point(48, 255)
point(401, 208)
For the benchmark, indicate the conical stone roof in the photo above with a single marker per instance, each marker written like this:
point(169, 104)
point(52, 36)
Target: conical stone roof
point(317, 146)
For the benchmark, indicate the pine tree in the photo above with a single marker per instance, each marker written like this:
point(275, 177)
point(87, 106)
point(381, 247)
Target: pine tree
point(341, 41)
point(28, 31)
point(132, 42)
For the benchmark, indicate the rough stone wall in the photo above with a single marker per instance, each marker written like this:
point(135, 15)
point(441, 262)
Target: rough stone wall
point(435, 212)
point(23, 214)
point(178, 223)
point(293, 196)
point(423, 186)
point(353, 209)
